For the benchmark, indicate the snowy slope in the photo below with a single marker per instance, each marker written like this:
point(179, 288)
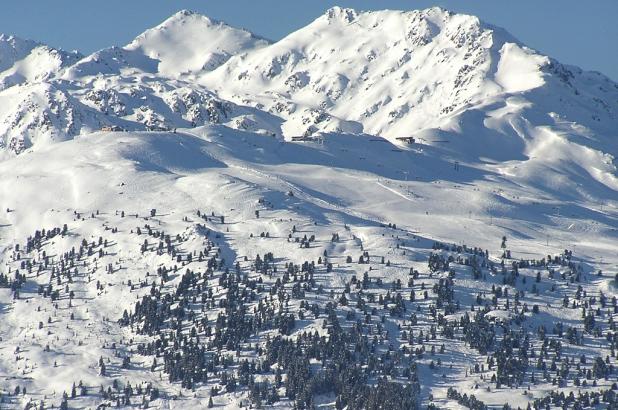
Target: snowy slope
point(166, 265)
point(105, 184)
point(189, 42)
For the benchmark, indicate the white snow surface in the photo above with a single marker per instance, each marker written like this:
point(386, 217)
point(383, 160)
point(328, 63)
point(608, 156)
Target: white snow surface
point(391, 74)
point(189, 42)
point(23, 61)
point(507, 142)
point(351, 184)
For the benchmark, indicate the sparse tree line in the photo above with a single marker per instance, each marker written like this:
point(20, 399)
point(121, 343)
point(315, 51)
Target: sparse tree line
point(229, 325)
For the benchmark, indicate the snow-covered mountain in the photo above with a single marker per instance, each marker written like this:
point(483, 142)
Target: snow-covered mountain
point(185, 43)
point(31, 105)
point(426, 74)
point(123, 252)
point(24, 61)
point(391, 74)
point(382, 210)
point(435, 76)
point(189, 42)
point(144, 85)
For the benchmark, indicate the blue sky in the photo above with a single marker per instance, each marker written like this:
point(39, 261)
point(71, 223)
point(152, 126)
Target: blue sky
point(583, 33)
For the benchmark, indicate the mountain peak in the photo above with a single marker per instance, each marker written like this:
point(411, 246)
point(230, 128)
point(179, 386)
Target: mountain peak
point(23, 60)
point(186, 12)
point(14, 48)
point(350, 14)
point(341, 13)
point(437, 10)
point(182, 16)
point(10, 38)
point(189, 42)
point(387, 72)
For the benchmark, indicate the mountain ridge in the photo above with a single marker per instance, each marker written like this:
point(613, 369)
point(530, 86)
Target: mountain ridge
point(23, 61)
point(407, 74)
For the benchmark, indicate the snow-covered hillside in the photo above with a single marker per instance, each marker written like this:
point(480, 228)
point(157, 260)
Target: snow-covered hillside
point(125, 215)
point(383, 210)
